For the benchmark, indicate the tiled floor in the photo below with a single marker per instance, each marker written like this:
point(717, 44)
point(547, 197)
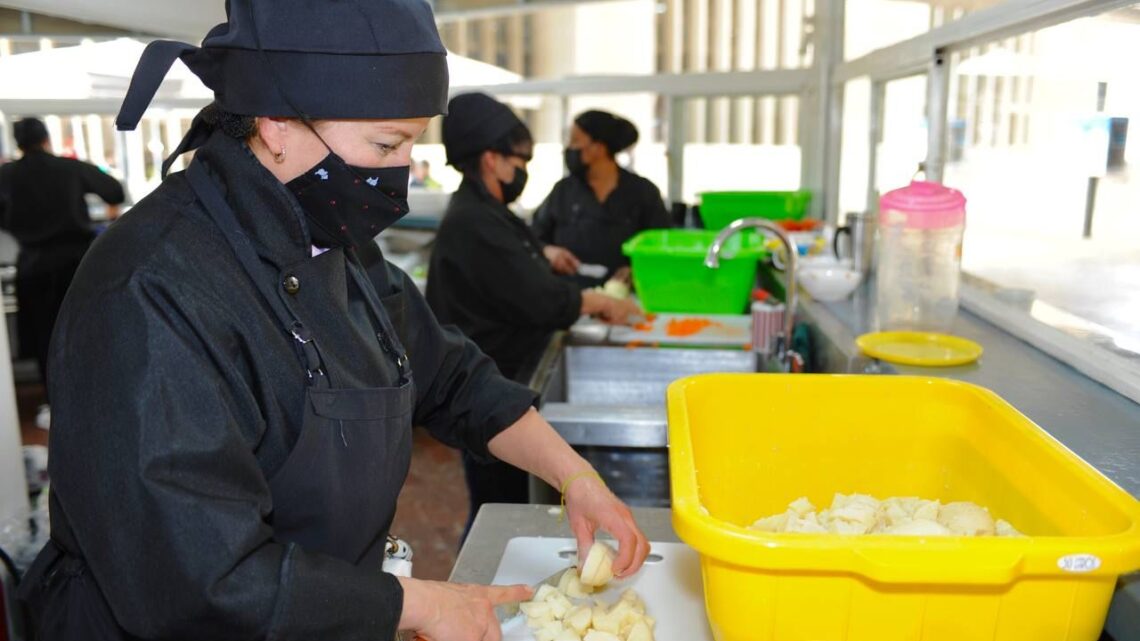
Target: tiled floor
point(432, 509)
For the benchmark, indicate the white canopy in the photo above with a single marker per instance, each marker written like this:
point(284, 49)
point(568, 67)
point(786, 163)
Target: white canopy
point(93, 77)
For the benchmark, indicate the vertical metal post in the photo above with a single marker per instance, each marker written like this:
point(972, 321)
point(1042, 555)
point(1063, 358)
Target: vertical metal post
point(677, 119)
point(1094, 181)
point(937, 97)
point(878, 98)
point(821, 113)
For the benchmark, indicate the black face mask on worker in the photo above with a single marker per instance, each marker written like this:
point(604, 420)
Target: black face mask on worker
point(574, 162)
point(514, 189)
point(348, 206)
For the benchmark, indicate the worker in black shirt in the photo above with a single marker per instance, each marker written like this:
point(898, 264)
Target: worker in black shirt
point(490, 275)
point(42, 204)
point(600, 205)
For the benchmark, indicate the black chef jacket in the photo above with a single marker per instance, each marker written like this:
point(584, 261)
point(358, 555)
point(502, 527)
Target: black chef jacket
point(489, 277)
point(572, 217)
point(176, 396)
point(42, 197)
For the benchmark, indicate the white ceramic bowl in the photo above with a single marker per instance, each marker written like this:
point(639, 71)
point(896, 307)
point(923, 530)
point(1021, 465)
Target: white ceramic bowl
point(829, 281)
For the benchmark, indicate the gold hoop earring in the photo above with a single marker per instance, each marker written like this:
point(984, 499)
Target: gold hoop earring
point(280, 156)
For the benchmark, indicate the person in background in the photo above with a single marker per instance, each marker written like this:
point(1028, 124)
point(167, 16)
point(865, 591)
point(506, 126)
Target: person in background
point(490, 275)
point(43, 205)
point(244, 368)
point(421, 176)
point(600, 205)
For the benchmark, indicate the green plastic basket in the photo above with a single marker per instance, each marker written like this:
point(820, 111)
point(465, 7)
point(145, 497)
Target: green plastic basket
point(719, 208)
point(670, 275)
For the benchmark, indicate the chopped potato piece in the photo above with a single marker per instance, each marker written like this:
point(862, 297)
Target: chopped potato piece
point(802, 507)
point(857, 514)
point(639, 632)
point(918, 527)
point(579, 619)
point(605, 622)
point(538, 623)
point(535, 609)
point(774, 523)
point(559, 605)
point(544, 593)
point(554, 615)
point(966, 519)
point(598, 568)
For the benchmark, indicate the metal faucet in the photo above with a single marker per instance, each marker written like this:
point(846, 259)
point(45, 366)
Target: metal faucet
point(712, 260)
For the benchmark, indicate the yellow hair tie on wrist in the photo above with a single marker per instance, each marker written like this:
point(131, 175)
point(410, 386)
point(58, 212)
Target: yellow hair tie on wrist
point(566, 486)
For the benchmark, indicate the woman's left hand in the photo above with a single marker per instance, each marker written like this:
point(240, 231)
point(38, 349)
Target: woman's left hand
point(561, 259)
point(590, 506)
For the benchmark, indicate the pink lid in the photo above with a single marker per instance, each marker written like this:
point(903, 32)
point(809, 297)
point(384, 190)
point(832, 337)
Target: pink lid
point(923, 205)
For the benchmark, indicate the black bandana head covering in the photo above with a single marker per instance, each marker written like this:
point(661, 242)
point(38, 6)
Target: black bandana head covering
point(309, 59)
point(615, 132)
point(475, 123)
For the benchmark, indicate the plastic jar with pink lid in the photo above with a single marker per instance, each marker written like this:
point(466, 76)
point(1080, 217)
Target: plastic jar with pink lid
point(920, 254)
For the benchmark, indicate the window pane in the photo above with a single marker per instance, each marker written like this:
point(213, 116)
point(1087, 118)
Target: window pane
point(1038, 131)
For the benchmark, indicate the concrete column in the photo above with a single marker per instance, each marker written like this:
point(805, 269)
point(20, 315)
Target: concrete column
point(514, 43)
point(744, 114)
point(553, 38)
point(78, 140)
point(720, 44)
point(696, 59)
point(55, 132)
point(460, 41)
point(97, 150)
point(675, 36)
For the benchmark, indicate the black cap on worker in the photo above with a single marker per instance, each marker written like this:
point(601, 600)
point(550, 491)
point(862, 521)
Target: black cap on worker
point(313, 59)
point(475, 123)
point(30, 133)
point(615, 132)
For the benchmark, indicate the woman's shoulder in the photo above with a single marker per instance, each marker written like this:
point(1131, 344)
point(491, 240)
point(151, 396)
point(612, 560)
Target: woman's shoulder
point(639, 182)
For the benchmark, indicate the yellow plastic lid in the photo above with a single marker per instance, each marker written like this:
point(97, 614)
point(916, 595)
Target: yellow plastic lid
point(926, 349)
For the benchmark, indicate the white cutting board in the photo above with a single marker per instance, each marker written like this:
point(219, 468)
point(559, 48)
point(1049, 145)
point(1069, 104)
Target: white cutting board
point(727, 330)
point(669, 583)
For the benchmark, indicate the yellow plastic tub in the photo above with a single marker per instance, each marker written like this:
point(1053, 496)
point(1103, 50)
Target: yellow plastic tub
point(744, 446)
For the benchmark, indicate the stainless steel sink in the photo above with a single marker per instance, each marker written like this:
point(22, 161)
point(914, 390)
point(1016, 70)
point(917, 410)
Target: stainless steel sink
point(634, 377)
point(609, 403)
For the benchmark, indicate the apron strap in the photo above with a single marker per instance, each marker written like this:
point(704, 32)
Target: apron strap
point(389, 340)
point(223, 216)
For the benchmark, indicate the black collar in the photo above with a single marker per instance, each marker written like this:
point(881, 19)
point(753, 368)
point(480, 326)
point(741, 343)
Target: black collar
point(265, 209)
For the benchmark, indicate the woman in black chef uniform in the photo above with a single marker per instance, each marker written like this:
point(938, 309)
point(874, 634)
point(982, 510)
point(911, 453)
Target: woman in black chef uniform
point(600, 205)
point(240, 369)
point(490, 276)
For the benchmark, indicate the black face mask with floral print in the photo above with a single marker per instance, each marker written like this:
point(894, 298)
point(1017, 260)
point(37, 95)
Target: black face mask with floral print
point(348, 206)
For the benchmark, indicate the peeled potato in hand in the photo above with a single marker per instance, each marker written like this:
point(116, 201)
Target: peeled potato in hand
point(599, 566)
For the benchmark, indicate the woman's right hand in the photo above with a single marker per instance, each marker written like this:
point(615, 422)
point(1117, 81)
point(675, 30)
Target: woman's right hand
point(615, 311)
point(621, 311)
point(441, 611)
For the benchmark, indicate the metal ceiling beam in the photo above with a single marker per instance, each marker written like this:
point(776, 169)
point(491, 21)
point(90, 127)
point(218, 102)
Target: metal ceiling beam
point(725, 83)
point(986, 25)
point(508, 9)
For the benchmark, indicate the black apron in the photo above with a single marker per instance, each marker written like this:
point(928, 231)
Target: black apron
point(336, 492)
